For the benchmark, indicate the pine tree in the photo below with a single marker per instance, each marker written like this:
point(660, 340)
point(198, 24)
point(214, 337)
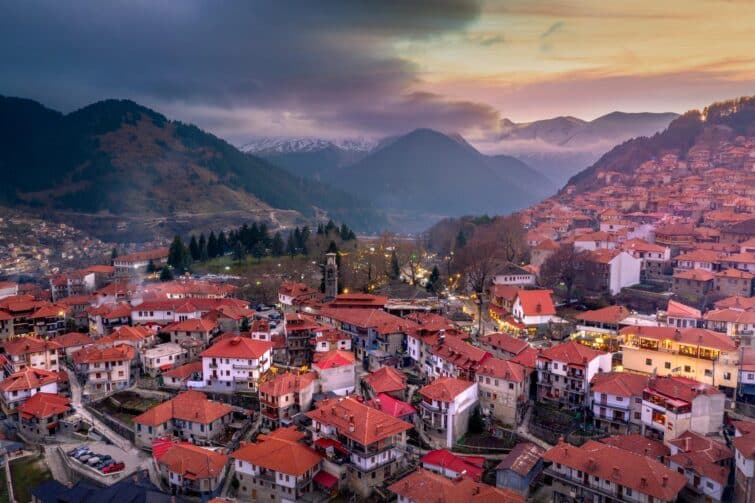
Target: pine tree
point(212, 245)
point(113, 255)
point(194, 247)
point(277, 247)
point(178, 256)
point(222, 247)
point(239, 253)
point(151, 267)
point(433, 282)
point(305, 234)
point(395, 270)
point(258, 251)
point(166, 274)
point(461, 240)
point(244, 325)
point(291, 245)
point(204, 253)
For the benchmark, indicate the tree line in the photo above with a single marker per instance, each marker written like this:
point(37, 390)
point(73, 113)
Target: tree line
point(254, 239)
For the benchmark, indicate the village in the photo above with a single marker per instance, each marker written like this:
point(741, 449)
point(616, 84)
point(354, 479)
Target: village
point(181, 387)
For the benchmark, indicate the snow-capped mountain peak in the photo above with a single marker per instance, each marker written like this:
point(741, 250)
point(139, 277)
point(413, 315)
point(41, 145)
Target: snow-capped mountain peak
point(304, 144)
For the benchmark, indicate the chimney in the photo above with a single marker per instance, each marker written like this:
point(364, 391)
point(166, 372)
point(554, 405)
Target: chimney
point(615, 473)
point(665, 481)
point(643, 482)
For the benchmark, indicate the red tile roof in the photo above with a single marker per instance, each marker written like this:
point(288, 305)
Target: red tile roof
point(286, 383)
point(111, 311)
point(190, 406)
point(383, 323)
point(72, 339)
point(280, 451)
point(144, 256)
point(678, 310)
point(445, 389)
point(702, 455)
point(356, 420)
point(642, 246)
point(386, 380)
point(43, 405)
point(390, 405)
point(424, 486)
point(639, 473)
point(730, 316)
point(734, 274)
point(238, 347)
point(536, 302)
point(184, 371)
point(460, 353)
point(191, 325)
point(570, 352)
point(193, 462)
point(29, 378)
point(527, 358)
point(695, 275)
point(471, 466)
point(125, 333)
point(503, 369)
point(610, 314)
point(680, 388)
point(333, 359)
point(26, 345)
point(638, 444)
point(622, 384)
point(688, 336)
point(92, 354)
point(505, 342)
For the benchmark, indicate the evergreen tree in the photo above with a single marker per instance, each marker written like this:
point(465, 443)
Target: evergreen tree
point(244, 236)
point(194, 247)
point(320, 230)
point(305, 234)
point(330, 227)
point(461, 240)
point(264, 236)
point(166, 274)
point(278, 247)
point(433, 282)
point(297, 240)
point(212, 246)
point(204, 251)
point(344, 232)
point(239, 253)
point(254, 236)
point(222, 246)
point(113, 255)
point(178, 256)
point(151, 267)
point(244, 325)
point(258, 251)
point(395, 270)
point(291, 245)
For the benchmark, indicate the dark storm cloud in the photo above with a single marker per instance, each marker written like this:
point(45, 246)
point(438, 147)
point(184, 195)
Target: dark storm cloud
point(331, 62)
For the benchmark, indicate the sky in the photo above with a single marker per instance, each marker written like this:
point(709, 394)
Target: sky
point(372, 68)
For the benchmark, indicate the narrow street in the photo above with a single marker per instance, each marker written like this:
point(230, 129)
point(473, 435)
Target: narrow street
point(523, 430)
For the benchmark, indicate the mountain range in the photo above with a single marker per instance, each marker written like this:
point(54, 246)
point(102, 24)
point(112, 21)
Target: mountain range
point(562, 146)
point(418, 177)
point(117, 161)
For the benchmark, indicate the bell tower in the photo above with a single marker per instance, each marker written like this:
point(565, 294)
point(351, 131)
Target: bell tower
point(331, 277)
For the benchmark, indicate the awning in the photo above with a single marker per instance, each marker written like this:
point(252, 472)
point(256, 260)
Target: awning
point(165, 367)
point(329, 442)
point(52, 426)
point(325, 479)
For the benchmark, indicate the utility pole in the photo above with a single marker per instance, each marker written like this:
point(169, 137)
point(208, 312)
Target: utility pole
point(8, 480)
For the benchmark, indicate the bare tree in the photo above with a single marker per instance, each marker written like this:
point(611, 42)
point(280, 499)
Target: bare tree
point(563, 266)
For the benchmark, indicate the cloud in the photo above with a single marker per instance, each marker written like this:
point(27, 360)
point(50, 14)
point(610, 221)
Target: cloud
point(226, 63)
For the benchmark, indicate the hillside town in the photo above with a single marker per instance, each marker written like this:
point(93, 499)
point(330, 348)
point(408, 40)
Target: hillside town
point(634, 383)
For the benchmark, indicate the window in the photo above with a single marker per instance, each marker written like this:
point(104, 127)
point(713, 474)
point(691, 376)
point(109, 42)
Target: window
point(667, 365)
point(638, 415)
point(687, 368)
point(708, 373)
point(727, 376)
point(638, 400)
point(619, 398)
point(648, 361)
point(511, 385)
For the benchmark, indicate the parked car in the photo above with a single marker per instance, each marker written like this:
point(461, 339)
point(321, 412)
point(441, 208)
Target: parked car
point(273, 324)
point(106, 457)
point(114, 468)
point(76, 451)
point(93, 461)
point(85, 457)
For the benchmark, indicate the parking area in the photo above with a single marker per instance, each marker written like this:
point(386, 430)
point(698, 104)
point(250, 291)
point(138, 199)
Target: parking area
point(132, 461)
